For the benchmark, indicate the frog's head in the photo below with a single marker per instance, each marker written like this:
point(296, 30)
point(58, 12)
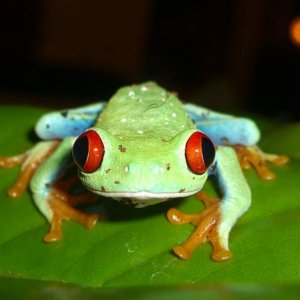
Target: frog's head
point(143, 170)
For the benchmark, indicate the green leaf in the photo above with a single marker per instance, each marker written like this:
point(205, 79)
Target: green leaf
point(132, 248)
point(284, 140)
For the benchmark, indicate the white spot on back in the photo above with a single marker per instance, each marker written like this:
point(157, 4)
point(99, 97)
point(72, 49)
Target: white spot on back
point(123, 120)
point(140, 131)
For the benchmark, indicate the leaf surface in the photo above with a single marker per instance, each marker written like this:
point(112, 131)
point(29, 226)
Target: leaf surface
point(132, 247)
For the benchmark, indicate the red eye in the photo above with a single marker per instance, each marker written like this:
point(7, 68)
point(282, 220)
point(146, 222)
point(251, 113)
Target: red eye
point(88, 151)
point(199, 152)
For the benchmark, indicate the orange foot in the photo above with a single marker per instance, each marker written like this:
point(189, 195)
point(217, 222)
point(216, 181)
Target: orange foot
point(207, 224)
point(61, 206)
point(29, 162)
point(253, 156)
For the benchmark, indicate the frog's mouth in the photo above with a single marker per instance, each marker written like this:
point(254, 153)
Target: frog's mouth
point(143, 198)
point(144, 195)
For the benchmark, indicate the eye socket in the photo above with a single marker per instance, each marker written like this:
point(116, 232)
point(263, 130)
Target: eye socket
point(88, 151)
point(199, 152)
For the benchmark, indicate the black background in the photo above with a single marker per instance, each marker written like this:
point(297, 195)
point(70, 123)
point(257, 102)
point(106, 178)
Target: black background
point(227, 55)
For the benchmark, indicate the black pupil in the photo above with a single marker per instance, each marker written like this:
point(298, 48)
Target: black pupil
point(208, 151)
point(81, 150)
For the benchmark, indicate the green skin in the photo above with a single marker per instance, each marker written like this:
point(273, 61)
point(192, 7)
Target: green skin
point(144, 130)
point(144, 157)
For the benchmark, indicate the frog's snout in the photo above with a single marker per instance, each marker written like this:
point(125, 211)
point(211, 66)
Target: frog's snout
point(139, 169)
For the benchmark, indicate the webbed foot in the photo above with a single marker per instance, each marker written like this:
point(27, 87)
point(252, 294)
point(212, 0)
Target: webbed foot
point(254, 157)
point(207, 224)
point(29, 161)
point(61, 204)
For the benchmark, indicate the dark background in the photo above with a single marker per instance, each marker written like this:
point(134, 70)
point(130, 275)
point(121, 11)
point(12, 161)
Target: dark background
point(229, 55)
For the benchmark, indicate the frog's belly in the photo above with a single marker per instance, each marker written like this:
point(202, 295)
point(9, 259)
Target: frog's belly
point(141, 199)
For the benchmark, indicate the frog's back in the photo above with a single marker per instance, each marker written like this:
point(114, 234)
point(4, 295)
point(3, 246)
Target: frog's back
point(144, 110)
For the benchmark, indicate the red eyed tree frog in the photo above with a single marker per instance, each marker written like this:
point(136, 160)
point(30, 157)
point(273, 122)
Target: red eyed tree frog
point(145, 146)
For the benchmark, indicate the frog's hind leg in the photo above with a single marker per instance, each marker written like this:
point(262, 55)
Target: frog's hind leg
point(240, 133)
point(50, 197)
point(252, 156)
point(29, 161)
point(224, 129)
point(11, 161)
point(68, 122)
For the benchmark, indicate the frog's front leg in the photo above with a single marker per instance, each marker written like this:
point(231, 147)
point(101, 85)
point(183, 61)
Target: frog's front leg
point(53, 202)
point(216, 221)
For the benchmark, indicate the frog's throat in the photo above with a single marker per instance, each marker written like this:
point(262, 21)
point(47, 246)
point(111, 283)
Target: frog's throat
point(143, 195)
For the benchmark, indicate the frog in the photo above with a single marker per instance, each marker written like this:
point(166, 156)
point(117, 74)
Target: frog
point(142, 147)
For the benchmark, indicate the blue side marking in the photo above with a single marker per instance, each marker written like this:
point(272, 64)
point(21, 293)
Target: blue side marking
point(224, 129)
point(70, 122)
